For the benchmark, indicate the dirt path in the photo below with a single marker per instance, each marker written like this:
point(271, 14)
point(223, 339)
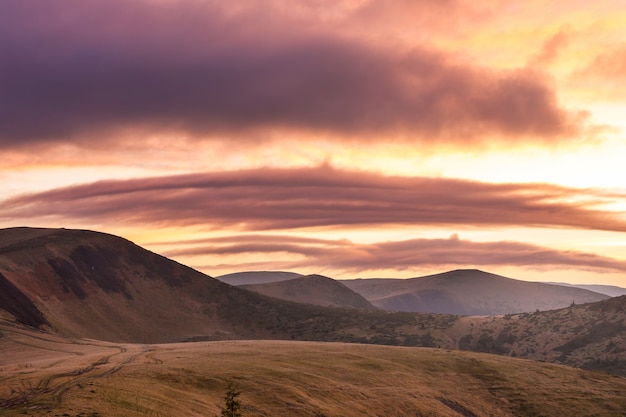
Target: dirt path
point(92, 360)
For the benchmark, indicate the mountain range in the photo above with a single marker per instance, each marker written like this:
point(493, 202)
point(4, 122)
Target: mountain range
point(469, 292)
point(459, 292)
point(95, 285)
point(85, 284)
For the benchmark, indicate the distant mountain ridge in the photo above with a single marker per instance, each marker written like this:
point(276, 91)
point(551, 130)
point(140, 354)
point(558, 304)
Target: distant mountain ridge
point(312, 289)
point(468, 292)
point(461, 292)
point(610, 290)
point(257, 277)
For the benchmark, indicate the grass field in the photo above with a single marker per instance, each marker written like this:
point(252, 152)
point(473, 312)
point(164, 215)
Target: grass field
point(42, 374)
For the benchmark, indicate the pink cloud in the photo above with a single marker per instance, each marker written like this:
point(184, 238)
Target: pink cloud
point(268, 199)
point(400, 255)
point(551, 48)
point(609, 66)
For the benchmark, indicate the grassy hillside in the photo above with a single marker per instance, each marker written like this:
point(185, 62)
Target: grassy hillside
point(88, 284)
point(591, 336)
point(45, 375)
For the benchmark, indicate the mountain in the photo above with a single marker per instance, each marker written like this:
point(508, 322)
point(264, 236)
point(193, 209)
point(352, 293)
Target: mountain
point(313, 289)
point(468, 292)
point(94, 285)
point(257, 277)
point(610, 290)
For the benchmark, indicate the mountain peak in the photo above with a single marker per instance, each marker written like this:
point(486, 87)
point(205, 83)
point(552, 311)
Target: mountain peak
point(313, 289)
point(469, 292)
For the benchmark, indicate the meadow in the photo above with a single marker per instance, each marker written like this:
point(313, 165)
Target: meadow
point(44, 374)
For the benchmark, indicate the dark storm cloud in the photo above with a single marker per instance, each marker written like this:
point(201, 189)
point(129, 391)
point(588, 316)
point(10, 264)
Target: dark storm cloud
point(266, 199)
point(88, 71)
point(406, 254)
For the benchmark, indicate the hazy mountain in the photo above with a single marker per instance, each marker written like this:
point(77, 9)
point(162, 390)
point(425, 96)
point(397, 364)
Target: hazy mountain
point(468, 292)
point(257, 277)
point(610, 290)
point(313, 289)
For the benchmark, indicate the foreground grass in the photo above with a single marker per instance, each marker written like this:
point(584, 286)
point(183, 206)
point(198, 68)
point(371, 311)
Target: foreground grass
point(46, 375)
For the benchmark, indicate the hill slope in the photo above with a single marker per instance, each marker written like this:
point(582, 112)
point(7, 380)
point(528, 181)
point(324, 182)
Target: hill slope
point(313, 289)
point(468, 292)
point(591, 336)
point(89, 284)
point(48, 375)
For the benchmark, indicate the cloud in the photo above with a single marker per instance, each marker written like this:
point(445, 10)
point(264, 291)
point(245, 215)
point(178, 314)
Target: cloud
point(551, 48)
point(345, 255)
point(90, 72)
point(605, 73)
point(271, 199)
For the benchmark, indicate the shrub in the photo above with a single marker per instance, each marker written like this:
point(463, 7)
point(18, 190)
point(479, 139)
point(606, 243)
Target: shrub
point(232, 405)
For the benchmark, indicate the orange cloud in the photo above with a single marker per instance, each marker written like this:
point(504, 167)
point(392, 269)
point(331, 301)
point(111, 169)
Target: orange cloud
point(551, 48)
point(605, 74)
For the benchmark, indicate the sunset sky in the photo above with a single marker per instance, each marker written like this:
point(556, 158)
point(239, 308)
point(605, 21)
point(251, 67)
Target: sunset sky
point(349, 138)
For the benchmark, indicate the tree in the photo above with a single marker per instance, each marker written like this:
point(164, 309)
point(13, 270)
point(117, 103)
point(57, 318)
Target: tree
point(232, 405)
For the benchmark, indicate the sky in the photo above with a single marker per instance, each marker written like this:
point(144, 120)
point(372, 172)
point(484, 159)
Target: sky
point(349, 138)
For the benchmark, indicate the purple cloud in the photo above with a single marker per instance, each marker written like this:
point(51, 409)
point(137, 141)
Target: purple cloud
point(87, 71)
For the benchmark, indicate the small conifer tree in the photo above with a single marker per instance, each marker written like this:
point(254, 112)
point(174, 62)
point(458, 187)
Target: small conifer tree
point(232, 405)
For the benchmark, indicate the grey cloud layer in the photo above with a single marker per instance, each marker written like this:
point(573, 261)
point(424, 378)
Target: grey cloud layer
point(83, 71)
point(267, 199)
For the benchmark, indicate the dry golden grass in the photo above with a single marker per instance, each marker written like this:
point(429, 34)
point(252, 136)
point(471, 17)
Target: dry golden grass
point(41, 374)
